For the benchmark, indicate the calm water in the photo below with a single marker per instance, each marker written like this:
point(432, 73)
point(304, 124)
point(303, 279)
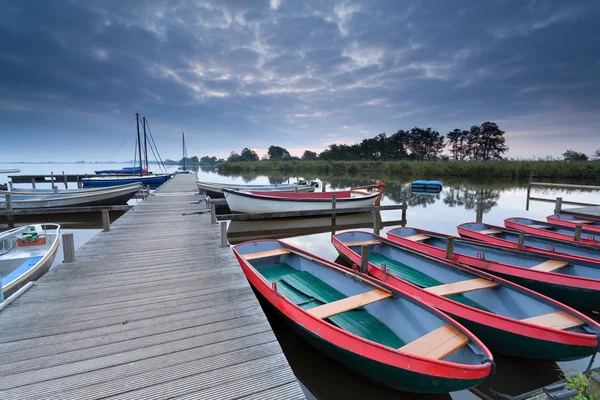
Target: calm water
point(441, 212)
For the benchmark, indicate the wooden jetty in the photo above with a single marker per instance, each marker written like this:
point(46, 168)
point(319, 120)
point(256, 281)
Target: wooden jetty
point(153, 309)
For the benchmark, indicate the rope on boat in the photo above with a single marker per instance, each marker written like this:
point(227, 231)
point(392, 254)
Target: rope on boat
point(489, 385)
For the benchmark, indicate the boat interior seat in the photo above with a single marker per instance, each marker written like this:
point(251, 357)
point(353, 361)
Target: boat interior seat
point(22, 268)
point(462, 286)
point(416, 277)
point(489, 231)
point(550, 265)
point(349, 303)
point(307, 291)
point(557, 320)
point(581, 221)
point(363, 243)
point(438, 343)
point(417, 238)
point(267, 253)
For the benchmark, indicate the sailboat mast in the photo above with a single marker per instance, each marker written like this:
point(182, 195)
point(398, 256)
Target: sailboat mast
point(137, 122)
point(145, 145)
point(183, 149)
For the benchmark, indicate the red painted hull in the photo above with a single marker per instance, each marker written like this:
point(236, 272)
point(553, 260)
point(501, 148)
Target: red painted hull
point(556, 219)
point(586, 238)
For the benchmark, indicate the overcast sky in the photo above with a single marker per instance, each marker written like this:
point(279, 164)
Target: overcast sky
point(298, 74)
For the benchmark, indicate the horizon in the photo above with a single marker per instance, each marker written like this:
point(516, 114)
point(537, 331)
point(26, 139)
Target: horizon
point(300, 75)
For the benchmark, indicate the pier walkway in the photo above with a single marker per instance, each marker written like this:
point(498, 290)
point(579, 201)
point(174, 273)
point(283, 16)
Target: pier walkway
point(153, 309)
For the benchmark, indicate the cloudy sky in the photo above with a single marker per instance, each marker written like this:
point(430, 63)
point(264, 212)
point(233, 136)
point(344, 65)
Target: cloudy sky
point(299, 74)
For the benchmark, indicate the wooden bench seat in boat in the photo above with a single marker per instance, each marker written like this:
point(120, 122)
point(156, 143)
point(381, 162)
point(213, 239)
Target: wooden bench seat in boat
point(438, 343)
point(581, 221)
point(363, 243)
point(266, 253)
point(557, 320)
point(550, 265)
point(349, 303)
point(417, 238)
point(461, 287)
point(489, 231)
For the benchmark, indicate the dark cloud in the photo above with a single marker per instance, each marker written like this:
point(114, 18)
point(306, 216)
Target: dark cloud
point(300, 73)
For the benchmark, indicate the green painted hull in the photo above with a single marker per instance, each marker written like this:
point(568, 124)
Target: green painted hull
point(519, 346)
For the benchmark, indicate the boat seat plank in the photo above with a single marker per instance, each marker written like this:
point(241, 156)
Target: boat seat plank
point(267, 253)
point(363, 243)
point(349, 303)
point(461, 287)
point(557, 320)
point(417, 238)
point(550, 265)
point(581, 221)
point(489, 231)
point(437, 344)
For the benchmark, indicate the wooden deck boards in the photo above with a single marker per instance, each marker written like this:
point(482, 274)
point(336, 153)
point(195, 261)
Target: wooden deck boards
point(153, 309)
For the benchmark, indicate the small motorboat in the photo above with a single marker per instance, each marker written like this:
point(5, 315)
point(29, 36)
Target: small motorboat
point(108, 181)
point(256, 202)
point(553, 231)
point(570, 281)
point(215, 190)
point(505, 237)
point(509, 318)
point(81, 198)
point(374, 330)
point(26, 253)
point(572, 221)
point(426, 186)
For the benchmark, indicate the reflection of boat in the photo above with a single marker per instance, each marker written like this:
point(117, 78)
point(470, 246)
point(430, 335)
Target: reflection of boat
point(571, 221)
point(501, 236)
point(266, 202)
point(26, 253)
point(509, 318)
point(108, 196)
point(390, 337)
point(426, 186)
point(572, 282)
point(215, 190)
point(241, 231)
point(553, 231)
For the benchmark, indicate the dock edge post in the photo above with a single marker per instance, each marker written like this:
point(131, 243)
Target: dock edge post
point(52, 179)
point(521, 240)
point(213, 214)
point(364, 259)
point(65, 180)
point(68, 248)
point(8, 199)
point(33, 183)
point(558, 205)
point(449, 248)
point(224, 242)
point(577, 236)
point(105, 221)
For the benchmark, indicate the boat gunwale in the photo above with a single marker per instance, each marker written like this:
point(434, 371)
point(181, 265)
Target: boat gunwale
point(77, 196)
point(310, 200)
point(512, 224)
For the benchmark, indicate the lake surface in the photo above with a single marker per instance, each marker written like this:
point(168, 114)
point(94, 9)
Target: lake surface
point(458, 202)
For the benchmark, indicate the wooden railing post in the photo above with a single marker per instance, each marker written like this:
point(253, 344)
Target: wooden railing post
point(577, 236)
point(8, 199)
point(147, 190)
point(213, 214)
point(10, 185)
point(105, 221)
point(558, 205)
point(521, 240)
point(68, 243)
point(450, 248)
point(364, 259)
point(224, 242)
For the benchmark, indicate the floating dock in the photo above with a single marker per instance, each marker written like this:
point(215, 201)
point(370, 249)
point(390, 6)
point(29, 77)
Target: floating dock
point(153, 309)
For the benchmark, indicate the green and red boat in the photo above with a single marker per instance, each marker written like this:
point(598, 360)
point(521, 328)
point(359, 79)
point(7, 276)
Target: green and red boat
point(570, 281)
point(509, 318)
point(554, 231)
point(373, 329)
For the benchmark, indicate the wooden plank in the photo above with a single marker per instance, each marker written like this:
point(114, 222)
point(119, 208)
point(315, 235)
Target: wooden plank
point(417, 238)
point(557, 320)
point(489, 231)
point(550, 265)
point(437, 344)
point(362, 243)
point(349, 303)
point(267, 253)
point(307, 213)
point(461, 287)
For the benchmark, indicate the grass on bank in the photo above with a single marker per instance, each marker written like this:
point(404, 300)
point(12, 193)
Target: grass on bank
point(425, 169)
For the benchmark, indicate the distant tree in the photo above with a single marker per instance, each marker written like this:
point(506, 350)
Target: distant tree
point(457, 144)
point(492, 143)
point(248, 155)
point(596, 155)
point(425, 144)
point(277, 153)
point(309, 155)
point(233, 156)
point(396, 145)
point(206, 160)
point(193, 160)
point(572, 155)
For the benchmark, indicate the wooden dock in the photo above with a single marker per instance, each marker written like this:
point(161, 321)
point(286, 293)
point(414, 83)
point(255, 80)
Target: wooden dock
point(153, 309)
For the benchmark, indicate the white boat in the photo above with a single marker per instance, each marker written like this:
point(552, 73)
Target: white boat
point(268, 202)
point(107, 196)
point(26, 253)
point(214, 189)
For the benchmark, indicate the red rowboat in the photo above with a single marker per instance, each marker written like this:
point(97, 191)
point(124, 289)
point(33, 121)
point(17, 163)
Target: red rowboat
point(553, 231)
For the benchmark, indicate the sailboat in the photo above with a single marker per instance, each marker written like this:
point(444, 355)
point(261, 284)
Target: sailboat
point(153, 180)
point(183, 169)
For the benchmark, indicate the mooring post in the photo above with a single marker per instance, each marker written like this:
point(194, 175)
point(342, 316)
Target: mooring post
point(376, 226)
point(79, 185)
point(33, 183)
point(450, 248)
point(55, 189)
point(364, 259)
point(213, 214)
point(404, 207)
point(147, 190)
point(65, 180)
point(577, 236)
point(521, 240)
point(68, 248)
point(479, 213)
point(323, 185)
point(8, 199)
point(224, 242)
point(528, 190)
point(105, 221)
point(52, 178)
point(10, 185)
point(558, 205)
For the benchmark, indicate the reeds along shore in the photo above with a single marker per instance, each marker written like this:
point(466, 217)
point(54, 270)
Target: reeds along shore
point(426, 169)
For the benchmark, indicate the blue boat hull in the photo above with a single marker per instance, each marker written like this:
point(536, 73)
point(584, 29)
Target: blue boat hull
point(153, 180)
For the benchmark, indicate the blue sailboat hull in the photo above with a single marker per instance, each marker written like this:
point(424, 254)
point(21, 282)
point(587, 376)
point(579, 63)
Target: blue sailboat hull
point(153, 180)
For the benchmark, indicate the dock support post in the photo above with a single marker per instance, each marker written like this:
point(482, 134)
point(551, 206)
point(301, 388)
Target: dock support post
point(224, 242)
point(479, 214)
point(65, 180)
point(105, 221)
point(404, 207)
point(213, 214)
point(376, 225)
point(364, 259)
point(527, 201)
point(55, 189)
point(10, 185)
point(68, 248)
point(147, 190)
point(521, 240)
point(333, 205)
point(449, 248)
point(52, 178)
point(577, 236)
point(33, 183)
point(323, 185)
point(558, 205)
point(79, 185)
point(8, 199)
